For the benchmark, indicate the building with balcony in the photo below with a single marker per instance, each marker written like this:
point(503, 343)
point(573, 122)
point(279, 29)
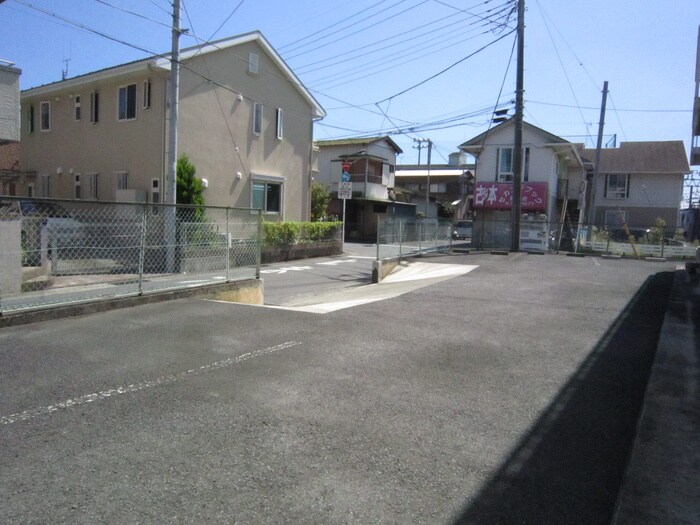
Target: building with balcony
point(369, 165)
point(451, 191)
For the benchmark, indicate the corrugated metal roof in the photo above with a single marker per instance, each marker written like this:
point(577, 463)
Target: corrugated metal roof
point(642, 157)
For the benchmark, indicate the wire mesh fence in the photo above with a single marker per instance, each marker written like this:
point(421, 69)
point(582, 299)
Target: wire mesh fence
point(545, 236)
point(405, 237)
point(54, 252)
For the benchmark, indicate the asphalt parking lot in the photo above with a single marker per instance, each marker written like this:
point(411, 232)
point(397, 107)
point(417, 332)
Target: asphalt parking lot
point(508, 394)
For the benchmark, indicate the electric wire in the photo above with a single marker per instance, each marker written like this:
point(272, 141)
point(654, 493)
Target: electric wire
point(382, 44)
point(415, 52)
point(441, 72)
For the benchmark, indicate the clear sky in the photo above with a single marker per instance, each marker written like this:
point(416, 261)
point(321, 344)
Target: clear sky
point(362, 58)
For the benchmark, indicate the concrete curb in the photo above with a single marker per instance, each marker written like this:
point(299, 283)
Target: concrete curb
point(249, 291)
point(661, 481)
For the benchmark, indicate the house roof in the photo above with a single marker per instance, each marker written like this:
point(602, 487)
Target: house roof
point(642, 157)
point(479, 139)
point(162, 62)
point(422, 172)
point(364, 141)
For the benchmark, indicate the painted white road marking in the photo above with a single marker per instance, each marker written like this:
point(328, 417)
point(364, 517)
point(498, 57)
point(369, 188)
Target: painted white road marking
point(144, 385)
point(286, 269)
point(420, 271)
point(407, 278)
point(336, 263)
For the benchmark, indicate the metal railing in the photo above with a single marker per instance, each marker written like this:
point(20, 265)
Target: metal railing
point(407, 237)
point(56, 252)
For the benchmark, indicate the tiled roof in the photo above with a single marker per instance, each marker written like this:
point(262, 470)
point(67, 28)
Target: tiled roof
point(642, 157)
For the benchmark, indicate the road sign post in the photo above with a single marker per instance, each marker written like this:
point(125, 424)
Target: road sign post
point(344, 193)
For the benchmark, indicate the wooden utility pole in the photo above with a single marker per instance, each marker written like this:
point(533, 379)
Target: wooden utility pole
point(518, 139)
point(596, 166)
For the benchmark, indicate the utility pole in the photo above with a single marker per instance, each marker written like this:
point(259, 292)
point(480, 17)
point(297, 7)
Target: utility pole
point(599, 146)
point(427, 186)
point(419, 147)
point(171, 178)
point(518, 139)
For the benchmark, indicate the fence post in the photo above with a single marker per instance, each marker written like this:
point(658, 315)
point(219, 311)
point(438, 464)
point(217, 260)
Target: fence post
point(227, 244)
point(258, 255)
point(400, 238)
point(142, 246)
point(663, 237)
point(420, 236)
point(607, 245)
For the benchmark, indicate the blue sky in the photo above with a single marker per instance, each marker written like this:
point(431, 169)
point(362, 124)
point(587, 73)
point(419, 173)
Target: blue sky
point(358, 56)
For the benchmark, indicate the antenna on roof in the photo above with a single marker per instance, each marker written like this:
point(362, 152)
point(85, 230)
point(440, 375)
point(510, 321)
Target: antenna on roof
point(64, 71)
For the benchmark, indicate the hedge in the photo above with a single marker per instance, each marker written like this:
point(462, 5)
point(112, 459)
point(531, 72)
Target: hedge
point(287, 233)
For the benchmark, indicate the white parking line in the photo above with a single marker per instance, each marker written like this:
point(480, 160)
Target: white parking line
point(144, 385)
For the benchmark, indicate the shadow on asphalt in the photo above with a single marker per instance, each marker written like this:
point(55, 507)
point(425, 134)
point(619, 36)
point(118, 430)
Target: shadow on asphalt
point(569, 467)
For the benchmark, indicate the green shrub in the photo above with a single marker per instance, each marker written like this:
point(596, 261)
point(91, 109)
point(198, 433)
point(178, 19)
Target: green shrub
point(287, 233)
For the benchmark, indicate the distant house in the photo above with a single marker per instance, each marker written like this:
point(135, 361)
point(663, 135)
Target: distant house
point(551, 197)
point(245, 121)
point(10, 173)
point(451, 186)
point(370, 164)
point(638, 183)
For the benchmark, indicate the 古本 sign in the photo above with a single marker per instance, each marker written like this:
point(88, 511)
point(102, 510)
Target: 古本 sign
point(499, 196)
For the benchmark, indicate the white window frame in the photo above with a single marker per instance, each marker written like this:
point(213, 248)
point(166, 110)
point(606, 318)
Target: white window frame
point(612, 218)
point(125, 89)
point(618, 190)
point(45, 104)
point(45, 185)
point(121, 180)
point(94, 107)
point(155, 191)
point(77, 193)
point(147, 90)
point(92, 186)
point(267, 181)
point(253, 63)
point(77, 105)
point(507, 176)
point(280, 123)
point(504, 175)
point(257, 118)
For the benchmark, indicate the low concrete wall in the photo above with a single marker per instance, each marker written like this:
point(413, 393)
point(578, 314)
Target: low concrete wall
point(382, 268)
point(248, 291)
point(10, 257)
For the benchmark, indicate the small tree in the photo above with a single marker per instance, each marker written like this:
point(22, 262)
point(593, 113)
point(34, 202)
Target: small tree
point(189, 189)
point(655, 234)
point(319, 202)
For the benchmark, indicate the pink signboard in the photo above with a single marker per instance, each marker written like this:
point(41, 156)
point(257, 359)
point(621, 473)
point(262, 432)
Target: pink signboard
point(499, 196)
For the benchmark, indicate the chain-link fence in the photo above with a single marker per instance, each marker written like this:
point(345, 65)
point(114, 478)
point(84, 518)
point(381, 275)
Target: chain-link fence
point(543, 235)
point(405, 237)
point(54, 252)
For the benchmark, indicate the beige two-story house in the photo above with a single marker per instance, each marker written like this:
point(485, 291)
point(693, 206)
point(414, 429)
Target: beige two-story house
point(245, 121)
point(369, 165)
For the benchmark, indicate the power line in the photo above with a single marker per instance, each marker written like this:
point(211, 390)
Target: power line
point(432, 77)
point(622, 110)
point(133, 13)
